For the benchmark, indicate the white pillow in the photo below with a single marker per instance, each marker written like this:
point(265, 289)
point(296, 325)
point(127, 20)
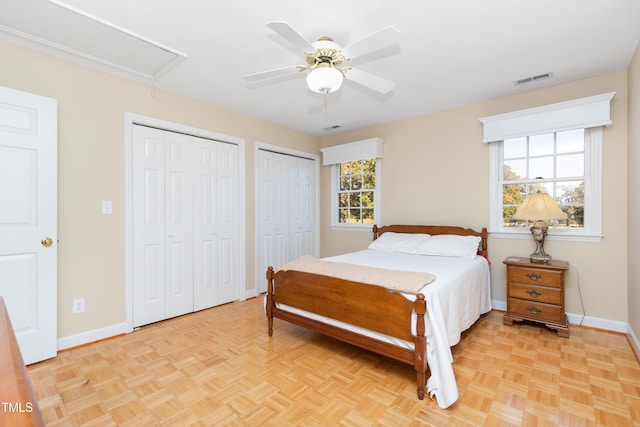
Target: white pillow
point(407, 243)
point(450, 245)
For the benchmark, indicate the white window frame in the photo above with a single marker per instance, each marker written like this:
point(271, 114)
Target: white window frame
point(335, 189)
point(591, 114)
point(359, 150)
point(592, 230)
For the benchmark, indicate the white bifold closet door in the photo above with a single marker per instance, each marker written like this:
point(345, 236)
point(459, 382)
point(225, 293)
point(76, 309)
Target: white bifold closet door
point(185, 224)
point(216, 224)
point(286, 211)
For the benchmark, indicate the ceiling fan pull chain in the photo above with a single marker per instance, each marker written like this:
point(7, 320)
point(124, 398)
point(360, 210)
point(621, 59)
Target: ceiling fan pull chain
point(325, 105)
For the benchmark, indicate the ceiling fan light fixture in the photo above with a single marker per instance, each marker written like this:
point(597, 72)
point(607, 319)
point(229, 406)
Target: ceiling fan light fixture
point(324, 79)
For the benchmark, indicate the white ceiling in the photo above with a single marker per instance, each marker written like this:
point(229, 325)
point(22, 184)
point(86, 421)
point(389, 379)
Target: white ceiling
point(451, 53)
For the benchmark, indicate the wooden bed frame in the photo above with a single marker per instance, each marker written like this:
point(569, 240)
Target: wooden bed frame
point(371, 307)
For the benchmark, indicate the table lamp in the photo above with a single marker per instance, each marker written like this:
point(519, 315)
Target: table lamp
point(539, 208)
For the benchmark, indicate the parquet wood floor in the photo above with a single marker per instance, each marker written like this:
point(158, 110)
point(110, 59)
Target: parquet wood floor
point(219, 367)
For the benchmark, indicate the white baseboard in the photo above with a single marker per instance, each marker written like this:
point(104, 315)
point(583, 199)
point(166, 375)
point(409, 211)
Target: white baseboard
point(598, 323)
point(634, 338)
point(499, 305)
point(91, 336)
point(577, 319)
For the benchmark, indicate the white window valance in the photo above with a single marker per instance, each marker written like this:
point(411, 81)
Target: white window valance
point(365, 149)
point(577, 114)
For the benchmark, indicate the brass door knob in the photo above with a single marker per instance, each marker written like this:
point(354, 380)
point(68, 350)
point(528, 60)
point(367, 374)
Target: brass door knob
point(47, 241)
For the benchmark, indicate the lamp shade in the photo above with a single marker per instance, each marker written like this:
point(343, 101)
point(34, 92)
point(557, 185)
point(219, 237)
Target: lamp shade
point(324, 80)
point(539, 206)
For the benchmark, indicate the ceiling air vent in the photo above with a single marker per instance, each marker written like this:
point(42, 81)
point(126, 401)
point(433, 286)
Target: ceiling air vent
point(533, 79)
point(334, 127)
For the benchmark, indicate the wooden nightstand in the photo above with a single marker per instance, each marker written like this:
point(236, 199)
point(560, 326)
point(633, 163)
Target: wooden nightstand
point(535, 291)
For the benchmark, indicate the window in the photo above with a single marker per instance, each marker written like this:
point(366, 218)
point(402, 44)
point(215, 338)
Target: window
point(555, 163)
point(357, 192)
point(556, 149)
point(355, 183)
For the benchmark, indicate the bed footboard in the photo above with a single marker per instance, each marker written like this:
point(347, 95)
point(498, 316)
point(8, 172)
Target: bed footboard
point(367, 306)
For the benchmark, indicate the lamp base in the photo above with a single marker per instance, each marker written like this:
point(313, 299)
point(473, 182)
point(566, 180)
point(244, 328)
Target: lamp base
point(539, 232)
point(537, 257)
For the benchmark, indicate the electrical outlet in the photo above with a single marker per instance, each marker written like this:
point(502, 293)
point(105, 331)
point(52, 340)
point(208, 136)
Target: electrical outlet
point(78, 305)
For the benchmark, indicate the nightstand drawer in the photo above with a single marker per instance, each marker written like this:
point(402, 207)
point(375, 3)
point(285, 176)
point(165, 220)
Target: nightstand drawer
point(535, 277)
point(537, 311)
point(536, 293)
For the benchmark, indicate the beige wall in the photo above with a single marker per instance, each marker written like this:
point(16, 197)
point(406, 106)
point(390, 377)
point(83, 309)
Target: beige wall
point(91, 109)
point(436, 171)
point(633, 164)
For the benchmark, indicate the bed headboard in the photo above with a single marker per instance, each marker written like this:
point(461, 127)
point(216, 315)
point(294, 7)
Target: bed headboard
point(436, 229)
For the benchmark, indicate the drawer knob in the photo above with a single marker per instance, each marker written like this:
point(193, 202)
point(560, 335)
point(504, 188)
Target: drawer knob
point(534, 293)
point(534, 310)
point(534, 276)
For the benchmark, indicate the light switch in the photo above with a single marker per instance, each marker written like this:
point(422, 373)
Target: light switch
point(107, 207)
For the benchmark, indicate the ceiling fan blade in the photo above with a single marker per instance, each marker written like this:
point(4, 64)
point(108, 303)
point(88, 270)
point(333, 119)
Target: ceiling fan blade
point(278, 72)
point(291, 35)
point(383, 38)
point(369, 80)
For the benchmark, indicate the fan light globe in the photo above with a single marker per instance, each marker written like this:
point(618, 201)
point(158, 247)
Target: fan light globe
point(324, 80)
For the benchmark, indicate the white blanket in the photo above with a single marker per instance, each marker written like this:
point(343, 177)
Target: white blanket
point(455, 300)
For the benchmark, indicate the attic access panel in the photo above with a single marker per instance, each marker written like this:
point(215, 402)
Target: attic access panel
point(62, 31)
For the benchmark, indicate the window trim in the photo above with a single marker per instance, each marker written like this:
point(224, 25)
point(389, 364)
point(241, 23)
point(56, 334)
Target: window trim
point(583, 113)
point(358, 150)
point(592, 231)
point(590, 113)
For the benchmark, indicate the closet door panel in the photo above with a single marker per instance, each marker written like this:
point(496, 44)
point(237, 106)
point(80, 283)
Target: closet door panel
point(216, 224)
point(229, 225)
point(279, 207)
point(205, 227)
point(287, 211)
point(148, 224)
point(302, 206)
point(273, 223)
point(186, 224)
point(179, 224)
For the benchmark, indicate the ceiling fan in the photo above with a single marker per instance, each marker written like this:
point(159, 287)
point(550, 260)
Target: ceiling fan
point(326, 60)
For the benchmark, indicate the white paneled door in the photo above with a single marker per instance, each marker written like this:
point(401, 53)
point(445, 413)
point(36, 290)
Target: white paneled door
point(302, 206)
point(216, 223)
point(286, 210)
point(178, 222)
point(149, 236)
point(28, 220)
point(186, 251)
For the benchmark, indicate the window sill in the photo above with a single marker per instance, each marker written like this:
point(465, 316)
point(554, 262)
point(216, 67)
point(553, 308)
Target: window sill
point(352, 227)
point(561, 237)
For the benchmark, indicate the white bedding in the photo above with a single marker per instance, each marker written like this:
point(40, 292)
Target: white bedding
point(455, 300)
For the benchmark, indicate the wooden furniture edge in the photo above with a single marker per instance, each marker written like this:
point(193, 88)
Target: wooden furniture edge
point(18, 403)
